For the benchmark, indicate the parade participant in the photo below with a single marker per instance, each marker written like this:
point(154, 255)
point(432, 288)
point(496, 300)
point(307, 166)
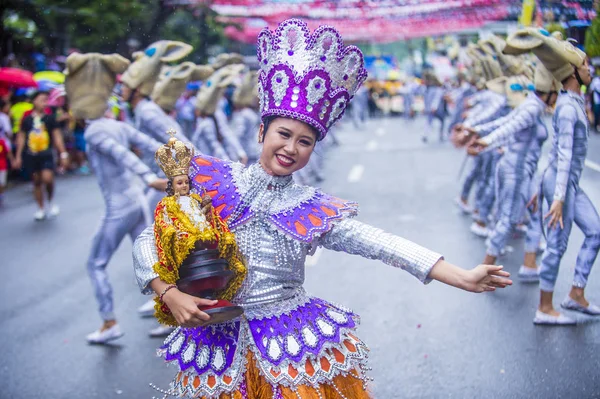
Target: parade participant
point(38, 137)
point(246, 119)
point(115, 165)
point(510, 65)
point(494, 106)
point(213, 135)
point(435, 104)
point(567, 201)
point(518, 132)
point(173, 82)
point(288, 345)
point(461, 94)
point(230, 141)
point(185, 109)
point(138, 82)
point(408, 97)
point(515, 91)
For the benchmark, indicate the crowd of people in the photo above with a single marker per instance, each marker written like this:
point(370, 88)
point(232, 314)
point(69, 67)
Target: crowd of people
point(498, 118)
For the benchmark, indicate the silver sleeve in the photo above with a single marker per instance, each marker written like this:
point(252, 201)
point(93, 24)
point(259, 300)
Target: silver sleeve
point(357, 238)
point(144, 258)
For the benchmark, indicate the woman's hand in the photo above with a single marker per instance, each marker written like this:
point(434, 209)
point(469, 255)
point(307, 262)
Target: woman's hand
point(480, 279)
point(486, 278)
point(184, 308)
point(555, 214)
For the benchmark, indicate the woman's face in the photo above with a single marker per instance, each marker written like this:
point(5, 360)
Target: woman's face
point(287, 146)
point(181, 185)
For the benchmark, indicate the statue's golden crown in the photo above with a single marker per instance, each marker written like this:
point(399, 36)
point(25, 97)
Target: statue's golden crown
point(174, 157)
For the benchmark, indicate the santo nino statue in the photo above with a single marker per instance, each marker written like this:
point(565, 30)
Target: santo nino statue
point(196, 251)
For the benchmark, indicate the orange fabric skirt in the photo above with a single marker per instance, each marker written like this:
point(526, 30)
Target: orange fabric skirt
point(348, 386)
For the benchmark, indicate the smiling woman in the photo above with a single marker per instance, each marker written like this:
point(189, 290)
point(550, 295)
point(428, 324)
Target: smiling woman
point(287, 145)
point(287, 344)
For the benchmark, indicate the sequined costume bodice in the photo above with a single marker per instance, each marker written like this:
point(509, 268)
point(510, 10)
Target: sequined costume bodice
point(570, 141)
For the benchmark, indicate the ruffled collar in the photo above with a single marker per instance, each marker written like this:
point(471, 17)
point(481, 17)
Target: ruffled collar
point(260, 175)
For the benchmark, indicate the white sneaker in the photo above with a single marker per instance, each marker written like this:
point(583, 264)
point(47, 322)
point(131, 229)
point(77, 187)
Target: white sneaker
point(549, 320)
point(102, 337)
point(53, 211)
point(479, 231)
point(529, 275)
point(465, 208)
point(571, 304)
point(147, 309)
point(39, 215)
point(161, 331)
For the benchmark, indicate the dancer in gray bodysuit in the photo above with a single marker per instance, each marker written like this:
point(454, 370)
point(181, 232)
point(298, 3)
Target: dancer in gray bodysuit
point(567, 201)
point(518, 132)
point(116, 167)
point(213, 135)
point(246, 119)
point(138, 83)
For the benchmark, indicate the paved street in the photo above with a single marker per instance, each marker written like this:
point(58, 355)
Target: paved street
point(426, 341)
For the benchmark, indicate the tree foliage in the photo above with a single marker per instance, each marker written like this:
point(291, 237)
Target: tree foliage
point(107, 25)
point(592, 38)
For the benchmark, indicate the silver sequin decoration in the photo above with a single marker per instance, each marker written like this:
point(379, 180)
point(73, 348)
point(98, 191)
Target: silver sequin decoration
point(279, 82)
point(315, 90)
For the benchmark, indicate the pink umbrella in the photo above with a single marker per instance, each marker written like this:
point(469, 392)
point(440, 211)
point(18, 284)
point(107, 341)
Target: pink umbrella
point(14, 77)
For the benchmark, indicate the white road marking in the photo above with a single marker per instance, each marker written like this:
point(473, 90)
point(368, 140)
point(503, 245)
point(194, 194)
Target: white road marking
point(380, 131)
point(312, 260)
point(372, 146)
point(356, 173)
point(592, 165)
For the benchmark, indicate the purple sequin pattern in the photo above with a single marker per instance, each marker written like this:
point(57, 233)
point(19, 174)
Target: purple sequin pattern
point(214, 176)
point(311, 78)
point(313, 217)
point(305, 330)
point(204, 349)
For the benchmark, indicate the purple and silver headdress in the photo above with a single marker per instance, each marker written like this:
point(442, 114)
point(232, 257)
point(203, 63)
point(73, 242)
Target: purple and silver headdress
point(307, 77)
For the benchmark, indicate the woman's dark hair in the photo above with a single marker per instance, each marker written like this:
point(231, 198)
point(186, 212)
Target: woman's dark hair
point(268, 119)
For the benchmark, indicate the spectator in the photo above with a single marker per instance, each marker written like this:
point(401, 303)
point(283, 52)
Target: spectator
point(5, 125)
point(5, 157)
point(38, 136)
point(594, 91)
